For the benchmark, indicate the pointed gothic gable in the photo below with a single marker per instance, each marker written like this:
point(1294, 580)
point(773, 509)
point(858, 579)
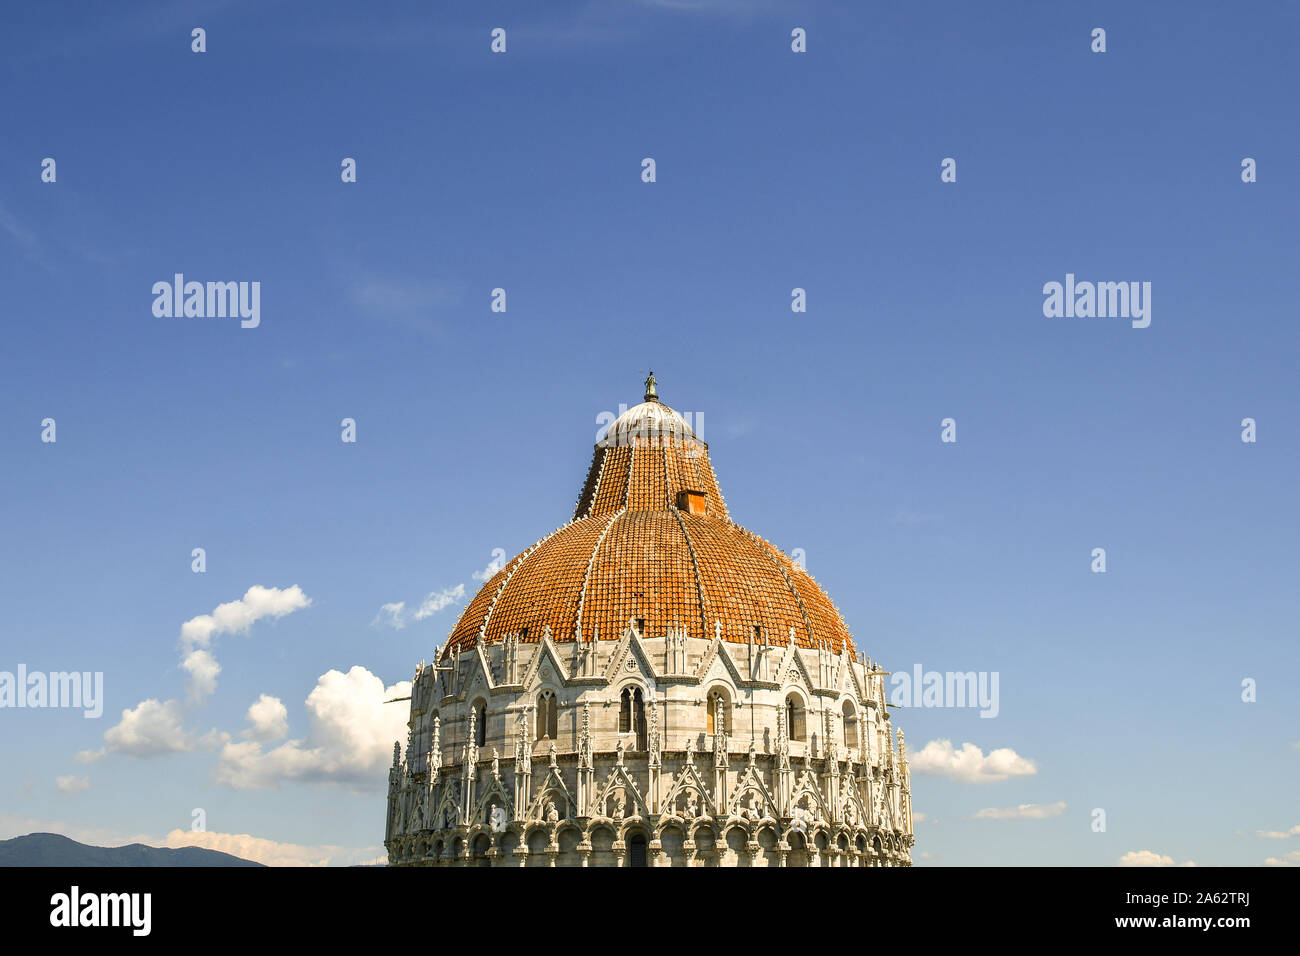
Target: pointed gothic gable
point(853, 687)
point(880, 804)
point(448, 812)
point(751, 781)
point(620, 779)
point(726, 660)
point(476, 679)
point(553, 788)
point(890, 818)
point(688, 780)
point(710, 654)
point(807, 793)
point(853, 798)
point(630, 645)
point(793, 673)
point(485, 665)
point(549, 655)
point(415, 810)
point(494, 790)
point(718, 662)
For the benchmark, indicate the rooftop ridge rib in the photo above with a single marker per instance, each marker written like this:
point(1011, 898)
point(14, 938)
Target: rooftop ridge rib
point(695, 564)
point(668, 486)
point(586, 578)
point(785, 576)
point(627, 487)
point(594, 486)
point(519, 563)
point(726, 514)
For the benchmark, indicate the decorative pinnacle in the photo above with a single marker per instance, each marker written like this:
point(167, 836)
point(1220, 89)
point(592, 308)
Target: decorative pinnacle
point(651, 395)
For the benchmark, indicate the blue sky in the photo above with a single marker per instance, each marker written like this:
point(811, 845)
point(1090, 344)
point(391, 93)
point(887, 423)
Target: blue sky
point(774, 171)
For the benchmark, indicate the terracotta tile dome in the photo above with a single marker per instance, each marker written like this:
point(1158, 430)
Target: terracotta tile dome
point(651, 541)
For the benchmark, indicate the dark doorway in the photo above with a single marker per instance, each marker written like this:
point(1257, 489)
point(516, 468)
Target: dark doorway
point(636, 855)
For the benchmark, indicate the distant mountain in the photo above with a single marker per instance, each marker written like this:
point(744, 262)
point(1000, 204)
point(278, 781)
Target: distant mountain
point(51, 849)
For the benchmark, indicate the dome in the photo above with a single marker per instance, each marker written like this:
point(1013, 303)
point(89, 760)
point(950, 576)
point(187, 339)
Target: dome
point(650, 420)
point(651, 543)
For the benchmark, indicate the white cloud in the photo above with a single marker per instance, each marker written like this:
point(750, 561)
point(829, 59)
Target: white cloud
point(1279, 834)
point(1149, 858)
point(203, 670)
point(156, 727)
point(230, 618)
point(969, 764)
point(394, 614)
point(1025, 811)
point(152, 728)
point(71, 784)
point(1287, 859)
point(236, 617)
point(438, 600)
point(272, 852)
point(496, 564)
point(391, 615)
point(267, 719)
point(350, 738)
point(918, 817)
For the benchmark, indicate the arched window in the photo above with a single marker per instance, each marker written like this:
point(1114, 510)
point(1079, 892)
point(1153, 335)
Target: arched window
point(850, 726)
point(482, 843)
point(719, 711)
point(480, 722)
point(794, 717)
point(631, 715)
point(547, 716)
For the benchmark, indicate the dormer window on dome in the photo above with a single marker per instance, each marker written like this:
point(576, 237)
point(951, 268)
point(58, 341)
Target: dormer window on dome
point(692, 502)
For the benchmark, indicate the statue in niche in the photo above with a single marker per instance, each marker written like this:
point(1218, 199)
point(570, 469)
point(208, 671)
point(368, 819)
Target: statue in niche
point(690, 810)
point(752, 812)
point(550, 812)
point(417, 815)
point(499, 819)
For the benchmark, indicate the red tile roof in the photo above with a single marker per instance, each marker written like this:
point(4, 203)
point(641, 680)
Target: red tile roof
point(629, 554)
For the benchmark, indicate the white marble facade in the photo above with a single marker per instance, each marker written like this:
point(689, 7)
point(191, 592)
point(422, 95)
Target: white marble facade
point(649, 751)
